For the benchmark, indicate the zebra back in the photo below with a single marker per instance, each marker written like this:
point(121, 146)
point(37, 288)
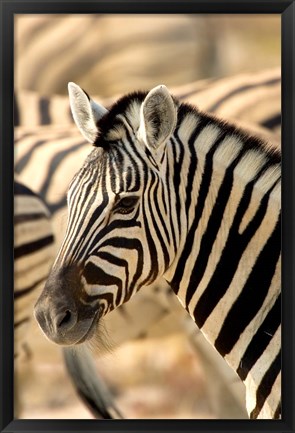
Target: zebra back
point(124, 51)
point(247, 99)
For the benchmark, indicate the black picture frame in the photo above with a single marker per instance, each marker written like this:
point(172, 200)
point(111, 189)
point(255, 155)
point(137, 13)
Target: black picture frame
point(7, 10)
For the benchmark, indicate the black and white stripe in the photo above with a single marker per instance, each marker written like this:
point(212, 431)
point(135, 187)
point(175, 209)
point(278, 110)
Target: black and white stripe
point(141, 50)
point(248, 99)
point(170, 191)
point(33, 256)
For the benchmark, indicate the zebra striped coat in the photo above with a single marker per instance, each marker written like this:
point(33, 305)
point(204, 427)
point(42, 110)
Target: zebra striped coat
point(246, 99)
point(33, 255)
point(128, 52)
point(201, 201)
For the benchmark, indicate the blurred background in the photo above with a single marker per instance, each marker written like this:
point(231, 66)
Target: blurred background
point(109, 55)
point(112, 54)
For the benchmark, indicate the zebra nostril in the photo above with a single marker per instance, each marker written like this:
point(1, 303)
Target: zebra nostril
point(66, 320)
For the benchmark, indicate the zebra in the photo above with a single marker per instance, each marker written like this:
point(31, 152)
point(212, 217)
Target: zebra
point(172, 192)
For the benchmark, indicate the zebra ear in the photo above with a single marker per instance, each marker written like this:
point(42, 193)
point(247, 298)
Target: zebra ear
point(85, 112)
point(157, 117)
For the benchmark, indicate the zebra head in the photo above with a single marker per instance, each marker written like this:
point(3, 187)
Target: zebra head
point(118, 237)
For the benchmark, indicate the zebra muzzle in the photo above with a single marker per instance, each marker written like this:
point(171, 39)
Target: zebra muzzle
point(61, 315)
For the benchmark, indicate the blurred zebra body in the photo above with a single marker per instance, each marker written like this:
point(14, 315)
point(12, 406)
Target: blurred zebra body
point(33, 255)
point(114, 57)
point(130, 50)
point(253, 99)
point(218, 191)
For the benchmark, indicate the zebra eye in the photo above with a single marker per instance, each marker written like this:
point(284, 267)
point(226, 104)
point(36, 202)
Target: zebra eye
point(126, 204)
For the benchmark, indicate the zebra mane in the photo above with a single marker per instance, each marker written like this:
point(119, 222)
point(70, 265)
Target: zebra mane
point(112, 121)
point(250, 140)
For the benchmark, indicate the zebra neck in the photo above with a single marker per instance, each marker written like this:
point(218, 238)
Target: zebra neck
point(228, 196)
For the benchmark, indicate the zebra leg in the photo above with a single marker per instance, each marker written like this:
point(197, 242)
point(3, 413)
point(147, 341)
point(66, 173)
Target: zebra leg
point(89, 386)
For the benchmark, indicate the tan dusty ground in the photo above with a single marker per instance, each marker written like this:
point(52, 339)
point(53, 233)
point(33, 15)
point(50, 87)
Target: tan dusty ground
point(155, 378)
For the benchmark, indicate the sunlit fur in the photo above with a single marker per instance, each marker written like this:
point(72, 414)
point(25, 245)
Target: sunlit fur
point(193, 225)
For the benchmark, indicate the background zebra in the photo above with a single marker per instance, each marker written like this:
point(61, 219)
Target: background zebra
point(33, 255)
point(244, 202)
point(131, 50)
point(248, 99)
